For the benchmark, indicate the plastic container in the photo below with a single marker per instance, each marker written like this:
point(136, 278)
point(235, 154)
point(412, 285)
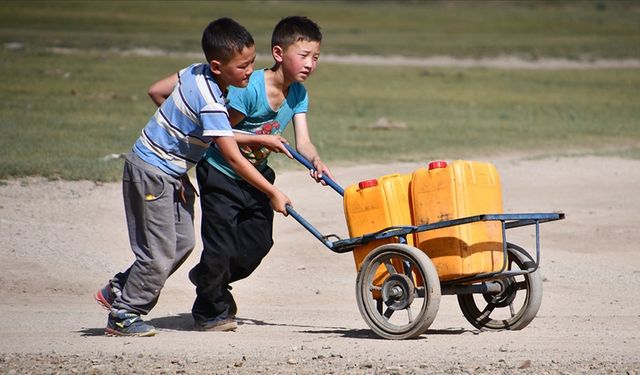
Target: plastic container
point(446, 192)
point(373, 205)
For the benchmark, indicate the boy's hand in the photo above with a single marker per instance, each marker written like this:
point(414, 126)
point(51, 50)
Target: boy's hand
point(320, 170)
point(279, 201)
point(274, 143)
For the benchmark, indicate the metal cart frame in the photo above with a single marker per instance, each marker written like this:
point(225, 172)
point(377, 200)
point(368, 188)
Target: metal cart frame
point(411, 276)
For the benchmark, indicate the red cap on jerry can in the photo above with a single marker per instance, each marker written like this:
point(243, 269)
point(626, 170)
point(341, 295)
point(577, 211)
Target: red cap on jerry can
point(368, 183)
point(437, 164)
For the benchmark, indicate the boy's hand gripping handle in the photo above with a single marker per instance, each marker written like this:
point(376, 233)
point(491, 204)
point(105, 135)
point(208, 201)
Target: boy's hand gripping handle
point(296, 155)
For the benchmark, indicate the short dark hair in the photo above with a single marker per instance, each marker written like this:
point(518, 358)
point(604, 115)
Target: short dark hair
point(224, 37)
point(293, 29)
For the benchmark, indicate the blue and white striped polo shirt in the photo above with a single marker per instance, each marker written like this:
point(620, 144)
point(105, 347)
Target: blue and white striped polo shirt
point(181, 130)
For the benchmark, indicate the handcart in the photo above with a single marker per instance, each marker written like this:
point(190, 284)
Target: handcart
point(398, 289)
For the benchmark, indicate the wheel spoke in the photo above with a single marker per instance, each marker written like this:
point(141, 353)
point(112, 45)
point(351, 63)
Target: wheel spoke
point(486, 312)
point(512, 311)
point(410, 314)
point(522, 285)
point(420, 292)
point(389, 266)
point(387, 314)
point(408, 267)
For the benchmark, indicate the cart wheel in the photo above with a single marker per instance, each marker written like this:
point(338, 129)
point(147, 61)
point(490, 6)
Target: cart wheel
point(513, 308)
point(404, 301)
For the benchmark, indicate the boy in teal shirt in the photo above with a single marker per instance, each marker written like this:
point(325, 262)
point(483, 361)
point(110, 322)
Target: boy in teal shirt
point(237, 220)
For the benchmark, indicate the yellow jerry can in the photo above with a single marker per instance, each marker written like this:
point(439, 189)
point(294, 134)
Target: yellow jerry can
point(372, 205)
point(446, 192)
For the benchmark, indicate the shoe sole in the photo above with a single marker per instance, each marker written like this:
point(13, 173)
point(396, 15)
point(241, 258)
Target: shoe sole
point(223, 327)
point(102, 301)
point(113, 333)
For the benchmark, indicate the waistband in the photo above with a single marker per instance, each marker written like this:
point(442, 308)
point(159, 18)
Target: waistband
point(136, 160)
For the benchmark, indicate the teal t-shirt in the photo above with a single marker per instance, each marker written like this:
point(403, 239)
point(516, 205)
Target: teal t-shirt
point(260, 118)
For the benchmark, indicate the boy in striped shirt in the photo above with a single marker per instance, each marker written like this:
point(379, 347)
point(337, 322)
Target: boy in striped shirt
point(158, 196)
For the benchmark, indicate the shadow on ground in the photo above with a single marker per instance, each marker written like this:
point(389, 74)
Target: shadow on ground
point(184, 322)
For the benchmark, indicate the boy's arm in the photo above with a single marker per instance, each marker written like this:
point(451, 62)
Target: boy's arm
point(271, 142)
point(307, 149)
point(229, 149)
point(160, 91)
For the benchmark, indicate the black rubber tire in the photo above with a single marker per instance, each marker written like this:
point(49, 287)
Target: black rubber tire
point(499, 312)
point(423, 300)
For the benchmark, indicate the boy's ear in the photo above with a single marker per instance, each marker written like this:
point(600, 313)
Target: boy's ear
point(277, 53)
point(215, 67)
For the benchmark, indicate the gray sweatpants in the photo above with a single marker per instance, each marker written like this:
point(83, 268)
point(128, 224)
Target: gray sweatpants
point(159, 210)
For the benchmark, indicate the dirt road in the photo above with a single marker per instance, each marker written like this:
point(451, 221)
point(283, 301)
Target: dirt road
point(60, 241)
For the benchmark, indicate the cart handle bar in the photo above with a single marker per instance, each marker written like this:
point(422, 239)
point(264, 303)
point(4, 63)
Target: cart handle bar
point(316, 233)
point(296, 155)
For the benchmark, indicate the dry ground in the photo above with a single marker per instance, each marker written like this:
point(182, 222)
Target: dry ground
point(60, 241)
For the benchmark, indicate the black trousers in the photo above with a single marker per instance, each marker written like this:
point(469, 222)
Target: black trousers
point(237, 233)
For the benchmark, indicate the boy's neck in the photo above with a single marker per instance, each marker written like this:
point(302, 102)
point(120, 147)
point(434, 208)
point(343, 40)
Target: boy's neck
point(221, 85)
point(277, 78)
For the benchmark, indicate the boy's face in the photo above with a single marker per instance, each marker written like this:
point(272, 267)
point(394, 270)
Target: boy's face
point(235, 72)
point(299, 60)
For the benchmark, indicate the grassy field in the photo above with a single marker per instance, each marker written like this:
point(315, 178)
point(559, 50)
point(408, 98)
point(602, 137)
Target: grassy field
point(63, 115)
point(593, 28)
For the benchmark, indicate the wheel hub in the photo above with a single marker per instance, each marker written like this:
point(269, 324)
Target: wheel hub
point(398, 292)
point(507, 294)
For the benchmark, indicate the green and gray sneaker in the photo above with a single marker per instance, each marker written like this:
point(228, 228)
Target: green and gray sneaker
point(124, 323)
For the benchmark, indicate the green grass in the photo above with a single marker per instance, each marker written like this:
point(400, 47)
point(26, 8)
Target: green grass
point(62, 114)
point(594, 28)
point(83, 107)
point(463, 112)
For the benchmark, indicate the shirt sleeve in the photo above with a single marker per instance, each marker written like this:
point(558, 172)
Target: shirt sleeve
point(302, 105)
point(183, 70)
point(215, 121)
point(242, 99)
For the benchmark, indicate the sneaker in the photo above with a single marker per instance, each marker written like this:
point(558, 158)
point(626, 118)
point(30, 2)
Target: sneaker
point(124, 323)
point(222, 322)
point(233, 308)
point(218, 324)
point(106, 296)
